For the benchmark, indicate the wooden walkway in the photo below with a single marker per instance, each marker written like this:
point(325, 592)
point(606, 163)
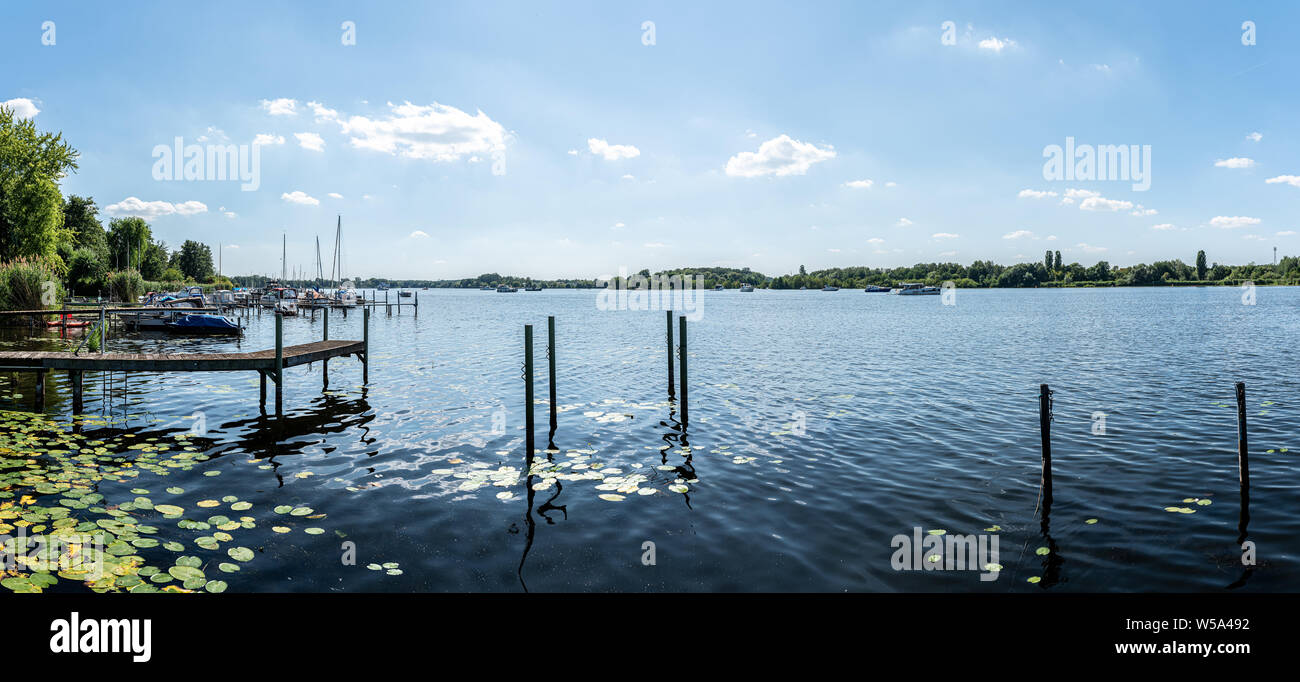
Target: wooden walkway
point(269, 363)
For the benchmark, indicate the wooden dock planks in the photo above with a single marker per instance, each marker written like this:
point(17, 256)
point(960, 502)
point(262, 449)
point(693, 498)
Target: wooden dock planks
point(262, 360)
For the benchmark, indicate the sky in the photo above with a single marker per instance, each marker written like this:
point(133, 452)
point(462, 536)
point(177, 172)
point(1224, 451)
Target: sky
point(571, 139)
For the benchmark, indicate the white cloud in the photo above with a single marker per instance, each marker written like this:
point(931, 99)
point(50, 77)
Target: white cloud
point(1233, 222)
point(612, 152)
point(1104, 204)
point(1091, 249)
point(1051, 237)
point(618, 226)
point(280, 107)
point(418, 234)
point(778, 156)
point(833, 250)
point(996, 44)
point(22, 107)
point(875, 240)
point(629, 176)
point(1141, 211)
point(573, 152)
point(1018, 234)
point(1293, 180)
point(229, 214)
point(654, 245)
point(436, 132)
point(132, 206)
point(1286, 233)
point(321, 113)
point(859, 184)
point(300, 197)
point(1254, 137)
point(902, 222)
point(267, 139)
point(1035, 194)
point(943, 235)
point(947, 254)
point(334, 195)
point(1234, 162)
point(1163, 227)
point(310, 141)
point(891, 183)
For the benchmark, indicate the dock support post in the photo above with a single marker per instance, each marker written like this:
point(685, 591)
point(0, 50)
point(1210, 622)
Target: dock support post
point(528, 389)
point(550, 357)
point(1045, 431)
point(75, 377)
point(325, 365)
point(40, 390)
point(103, 329)
point(262, 402)
point(1243, 456)
point(681, 361)
point(417, 304)
point(671, 390)
point(365, 345)
point(279, 363)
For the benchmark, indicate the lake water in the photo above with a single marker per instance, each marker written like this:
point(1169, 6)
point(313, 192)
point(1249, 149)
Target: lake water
point(821, 426)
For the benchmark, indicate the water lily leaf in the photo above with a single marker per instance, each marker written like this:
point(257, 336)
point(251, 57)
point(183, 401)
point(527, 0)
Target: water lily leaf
point(185, 572)
point(280, 529)
point(1042, 551)
point(216, 586)
point(240, 553)
point(241, 506)
point(1091, 521)
point(283, 509)
point(168, 510)
point(1033, 579)
point(227, 567)
point(300, 511)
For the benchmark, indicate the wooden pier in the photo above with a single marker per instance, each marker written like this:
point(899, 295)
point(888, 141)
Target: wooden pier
point(269, 363)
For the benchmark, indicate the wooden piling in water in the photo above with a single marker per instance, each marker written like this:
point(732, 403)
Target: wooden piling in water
point(279, 363)
point(103, 329)
point(365, 342)
point(681, 361)
point(1045, 431)
point(325, 365)
point(1243, 455)
point(550, 358)
point(75, 377)
point(670, 353)
point(528, 389)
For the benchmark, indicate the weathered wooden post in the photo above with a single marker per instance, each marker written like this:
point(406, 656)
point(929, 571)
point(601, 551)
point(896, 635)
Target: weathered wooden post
point(279, 363)
point(1243, 456)
point(528, 388)
point(75, 377)
point(365, 345)
point(1045, 431)
point(325, 365)
point(103, 328)
point(670, 353)
point(550, 357)
point(261, 403)
point(417, 304)
point(681, 361)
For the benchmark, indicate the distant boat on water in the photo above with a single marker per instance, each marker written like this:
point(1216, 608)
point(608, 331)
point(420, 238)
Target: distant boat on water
point(913, 289)
point(830, 288)
point(503, 289)
point(532, 288)
point(876, 289)
point(746, 287)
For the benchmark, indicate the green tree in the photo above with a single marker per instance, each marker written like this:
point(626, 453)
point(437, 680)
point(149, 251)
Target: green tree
point(127, 240)
point(1047, 261)
point(1200, 265)
point(31, 206)
point(1056, 266)
point(154, 262)
point(81, 218)
point(195, 261)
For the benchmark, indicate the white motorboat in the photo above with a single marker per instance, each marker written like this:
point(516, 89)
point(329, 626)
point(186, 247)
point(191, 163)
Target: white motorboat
point(746, 287)
point(914, 289)
point(283, 300)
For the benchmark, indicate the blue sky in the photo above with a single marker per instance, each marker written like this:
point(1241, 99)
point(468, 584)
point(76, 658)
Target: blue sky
point(548, 139)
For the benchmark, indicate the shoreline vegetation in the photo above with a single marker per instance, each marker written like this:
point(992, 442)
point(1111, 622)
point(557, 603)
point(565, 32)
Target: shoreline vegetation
point(45, 238)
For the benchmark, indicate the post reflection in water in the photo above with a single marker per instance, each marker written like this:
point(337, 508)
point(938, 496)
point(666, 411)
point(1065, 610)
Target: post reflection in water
point(1243, 519)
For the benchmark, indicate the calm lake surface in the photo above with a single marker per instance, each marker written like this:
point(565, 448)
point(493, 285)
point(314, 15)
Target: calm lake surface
point(914, 414)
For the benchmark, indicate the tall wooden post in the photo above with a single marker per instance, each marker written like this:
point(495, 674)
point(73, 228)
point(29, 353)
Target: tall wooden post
point(550, 357)
point(1243, 455)
point(261, 403)
point(75, 377)
point(1045, 431)
point(528, 388)
point(365, 345)
point(325, 365)
point(279, 363)
point(681, 361)
point(417, 304)
point(103, 328)
point(670, 353)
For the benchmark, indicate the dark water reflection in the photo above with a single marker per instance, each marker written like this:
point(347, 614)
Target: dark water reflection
point(912, 414)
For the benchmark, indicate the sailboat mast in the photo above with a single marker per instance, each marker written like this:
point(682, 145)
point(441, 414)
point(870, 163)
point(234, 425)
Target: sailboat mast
point(284, 249)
